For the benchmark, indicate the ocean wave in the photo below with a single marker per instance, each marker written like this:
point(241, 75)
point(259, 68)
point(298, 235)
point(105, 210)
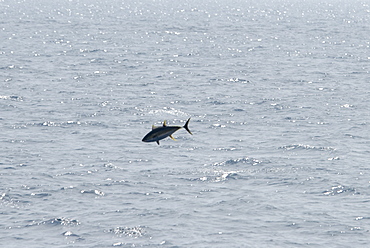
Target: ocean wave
point(136, 231)
point(239, 161)
point(56, 221)
point(166, 110)
point(65, 124)
point(93, 191)
point(220, 176)
point(307, 147)
point(340, 189)
point(13, 98)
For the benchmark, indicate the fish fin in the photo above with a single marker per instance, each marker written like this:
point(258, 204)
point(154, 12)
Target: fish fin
point(164, 123)
point(186, 126)
point(157, 142)
point(173, 138)
point(153, 127)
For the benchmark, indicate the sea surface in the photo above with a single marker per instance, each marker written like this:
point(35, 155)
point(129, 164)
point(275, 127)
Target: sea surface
point(278, 96)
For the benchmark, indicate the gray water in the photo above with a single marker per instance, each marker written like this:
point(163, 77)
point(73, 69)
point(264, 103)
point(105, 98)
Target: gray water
point(277, 92)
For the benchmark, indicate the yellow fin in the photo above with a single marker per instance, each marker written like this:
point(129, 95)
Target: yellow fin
point(173, 138)
point(153, 127)
point(164, 123)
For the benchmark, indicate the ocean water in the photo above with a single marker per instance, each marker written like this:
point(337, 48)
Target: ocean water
point(277, 92)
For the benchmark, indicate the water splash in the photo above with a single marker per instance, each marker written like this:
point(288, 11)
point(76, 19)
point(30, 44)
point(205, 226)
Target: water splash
point(238, 161)
point(57, 221)
point(340, 189)
point(307, 147)
point(136, 231)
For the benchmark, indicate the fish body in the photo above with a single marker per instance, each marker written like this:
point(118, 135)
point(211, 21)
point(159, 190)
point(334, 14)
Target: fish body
point(162, 132)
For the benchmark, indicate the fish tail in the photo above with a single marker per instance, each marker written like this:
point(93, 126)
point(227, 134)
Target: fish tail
point(186, 126)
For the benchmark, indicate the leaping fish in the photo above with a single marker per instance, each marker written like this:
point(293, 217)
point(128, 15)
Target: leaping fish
point(164, 131)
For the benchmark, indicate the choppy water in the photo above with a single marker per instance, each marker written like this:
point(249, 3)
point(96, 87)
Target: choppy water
point(278, 94)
